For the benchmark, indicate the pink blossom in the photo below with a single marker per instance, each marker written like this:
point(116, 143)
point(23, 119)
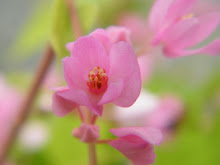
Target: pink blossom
point(150, 110)
point(108, 37)
point(166, 114)
point(99, 71)
point(145, 62)
point(87, 133)
point(52, 79)
point(137, 114)
point(141, 38)
point(140, 34)
point(10, 102)
point(179, 27)
point(136, 143)
point(60, 105)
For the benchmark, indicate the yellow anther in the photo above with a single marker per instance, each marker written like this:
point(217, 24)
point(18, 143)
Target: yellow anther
point(188, 16)
point(98, 79)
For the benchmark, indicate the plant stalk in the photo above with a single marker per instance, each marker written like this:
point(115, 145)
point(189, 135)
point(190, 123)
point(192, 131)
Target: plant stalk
point(92, 154)
point(27, 102)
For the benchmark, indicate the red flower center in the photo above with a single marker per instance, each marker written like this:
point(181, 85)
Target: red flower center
point(98, 80)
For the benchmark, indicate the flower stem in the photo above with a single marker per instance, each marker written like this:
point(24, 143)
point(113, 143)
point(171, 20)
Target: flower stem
point(74, 18)
point(92, 154)
point(104, 141)
point(93, 119)
point(27, 102)
point(80, 114)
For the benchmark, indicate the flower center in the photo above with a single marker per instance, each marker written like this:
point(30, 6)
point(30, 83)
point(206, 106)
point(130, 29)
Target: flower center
point(188, 16)
point(97, 80)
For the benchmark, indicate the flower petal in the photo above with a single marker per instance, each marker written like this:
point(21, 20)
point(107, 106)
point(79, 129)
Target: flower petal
point(146, 64)
point(102, 36)
point(207, 24)
point(128, 71)
point(90, 53)
point(60, 105)
point(75, 74)
point(69, 46)
point(136, 143)
point(121, 60)
point(150, 135)
point(118, 33)
point(181, 33)
point(82, 98)
point(114, 90)
point(158, 13)
point(179, 8)
point(132, 89)
point(139, 154)
point(211, 49)
point(87, 133)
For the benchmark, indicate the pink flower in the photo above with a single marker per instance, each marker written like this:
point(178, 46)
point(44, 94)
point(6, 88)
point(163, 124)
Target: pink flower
point(168, 112)
point(87, 133)
point(179, 28)
point(136, 143)
point(146, 66)
point(60, 105)
point(150, 110)
point(52, 79)
point(140, 34)
point(137, 114)
point(100, 70)
point(10, 102)
point(136, 25)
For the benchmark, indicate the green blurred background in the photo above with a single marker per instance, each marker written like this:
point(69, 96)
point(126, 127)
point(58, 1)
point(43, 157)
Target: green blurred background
point(27, 25)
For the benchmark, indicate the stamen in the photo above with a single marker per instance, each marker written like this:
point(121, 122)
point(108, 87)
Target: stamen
point(97, 80)
point(188, 16)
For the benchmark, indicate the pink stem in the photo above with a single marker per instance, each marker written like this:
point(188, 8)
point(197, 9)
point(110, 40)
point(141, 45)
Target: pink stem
point(104, 141)
point(79, 110)
point(28, 101)
point(74, 18)
point(92, 154)
point(93, 119)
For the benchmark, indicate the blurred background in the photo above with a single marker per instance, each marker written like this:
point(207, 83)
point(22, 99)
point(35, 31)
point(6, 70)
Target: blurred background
point(27, 25)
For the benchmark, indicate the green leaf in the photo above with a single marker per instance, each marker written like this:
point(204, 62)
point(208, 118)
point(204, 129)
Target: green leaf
point(61, 29)
point(88, 14)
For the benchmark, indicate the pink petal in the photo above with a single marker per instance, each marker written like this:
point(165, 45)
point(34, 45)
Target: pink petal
point(128, 71)
point(179, 8)
point(60, 105)
point(102, 36)
point(145, 63)
point(90, 53)
point(136, 25)
point(158, 13)
point(80, 97)
point(121, 60)
point(69, 46)
point(11, 101)
point(181, 33)
point(136, 143)
point(117, 34)
point(168, 111)
point(207, 24)
point(114, 90)
point(139, 154)
point(150, 135)
point(87, 133)
point(132, 89)
point(211, 49)
point(75, 74)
